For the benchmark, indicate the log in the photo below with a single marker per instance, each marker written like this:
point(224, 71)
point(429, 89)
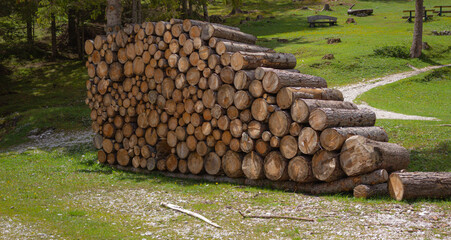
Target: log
point(333, 138)
point(195, 163)
point(183, 166)
point(243, 79)
point(323, 118)
point(276, 79)
point(213, 164)
point(227, 75)
point(101, 156)
point(300, 169)
point(225, 96)
point(171, 163)
point(411, 185)
point(276, 167)
point(256, 88)
point(326, 166)
point(231, 164)
point(301, 108)
point(242, 100)
point(368, 191)
point(246, 143)
point(288, 147)
point(97, 141)
point(255, 129)
point(224, 46)
point(220, 31)
point(260, 72)
point(349, 183)
point(151, 164)
point(308, 141)
point(361, 155)
point(250, 60)
point(279, 123)
point(262, 147)
point(253, 166)
point(122, 157)
point(259, 109)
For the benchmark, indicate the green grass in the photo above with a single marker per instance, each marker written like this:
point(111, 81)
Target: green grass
point(427, 94)
point(354, 56)
point(40, 96)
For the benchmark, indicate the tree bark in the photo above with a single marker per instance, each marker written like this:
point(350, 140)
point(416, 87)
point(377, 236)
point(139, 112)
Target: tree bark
point(252, 60)
point(333, 138)
point(113, 15)
point(219, 31)
point(415, 50)
point(53, 33)
point(322, 118)
point(360, 155)
point(276, 79)
point(410, 185)
point(301, 108)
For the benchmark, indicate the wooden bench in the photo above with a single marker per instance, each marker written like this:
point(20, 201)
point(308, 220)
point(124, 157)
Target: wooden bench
point(440, 12)
point(321, 19)
point(425, 16)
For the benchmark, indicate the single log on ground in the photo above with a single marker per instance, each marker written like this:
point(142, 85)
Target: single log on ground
point(220, 31)
point(213, 164)
point(276, 79)
point(230, 46)
point(362, 155)
point(323, 118)
point(308, 141)
point(411, 185)
point(250, 60)
point(326, 166)
point(333, 138)
point(279, 123)
point(253, 166)
point(367, 191)
point(276, 167)
point(231, 164)
point(300, 169)
point(301, 108)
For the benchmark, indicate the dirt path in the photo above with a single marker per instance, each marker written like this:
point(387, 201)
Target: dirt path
point(351, 92)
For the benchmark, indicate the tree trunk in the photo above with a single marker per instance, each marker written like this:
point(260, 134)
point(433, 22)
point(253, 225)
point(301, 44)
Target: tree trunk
point(53, 32)
point(135, 11)
point(410, 185)
point(205, 8)
point(367, 191)
point(30, 29)
point(72, 28)
point(415, 50)
point(333, 138)
point(361, 155)
point(113, 15)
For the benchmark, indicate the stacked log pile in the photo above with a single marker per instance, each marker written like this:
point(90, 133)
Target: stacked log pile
point(196, 98)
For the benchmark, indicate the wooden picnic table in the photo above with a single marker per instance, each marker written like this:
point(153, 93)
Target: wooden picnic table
point(440, 12)
point(426, 17)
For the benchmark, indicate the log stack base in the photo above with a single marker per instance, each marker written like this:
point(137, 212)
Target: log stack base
point(198, 100)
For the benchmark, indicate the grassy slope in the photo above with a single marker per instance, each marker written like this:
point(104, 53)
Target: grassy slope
point(353, 56)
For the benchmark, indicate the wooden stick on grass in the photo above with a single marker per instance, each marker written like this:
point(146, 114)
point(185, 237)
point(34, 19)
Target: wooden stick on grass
point(276, 216)
point(188, 212)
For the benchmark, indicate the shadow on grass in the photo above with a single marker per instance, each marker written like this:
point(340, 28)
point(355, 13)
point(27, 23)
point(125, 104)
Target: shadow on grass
point(432, 159)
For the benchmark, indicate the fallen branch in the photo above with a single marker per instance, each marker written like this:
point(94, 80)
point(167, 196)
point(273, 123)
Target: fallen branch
point(276, 216)
point(193, 214)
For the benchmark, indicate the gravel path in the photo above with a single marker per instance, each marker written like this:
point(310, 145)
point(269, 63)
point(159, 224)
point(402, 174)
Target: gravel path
point(351, 92)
